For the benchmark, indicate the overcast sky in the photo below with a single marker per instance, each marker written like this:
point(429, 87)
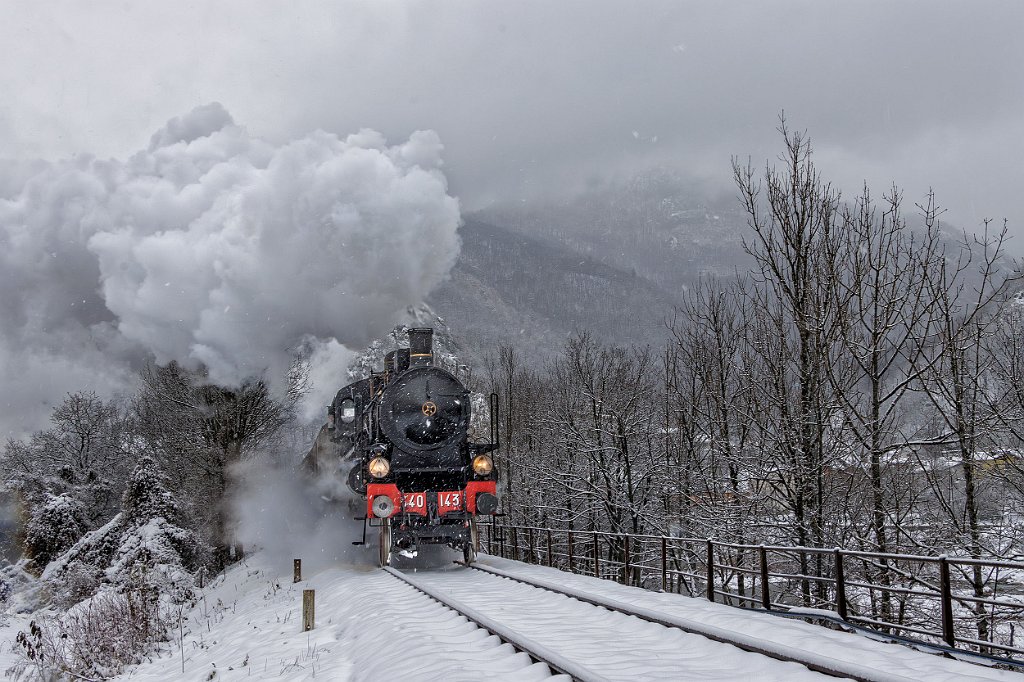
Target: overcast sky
point(162, 255)
point(532, 97)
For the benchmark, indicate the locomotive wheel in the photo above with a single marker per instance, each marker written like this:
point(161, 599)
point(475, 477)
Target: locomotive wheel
point(385, 543)
point(469, 549)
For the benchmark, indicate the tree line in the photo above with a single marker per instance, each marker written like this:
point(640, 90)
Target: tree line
point(178, 436)
point(858, 387)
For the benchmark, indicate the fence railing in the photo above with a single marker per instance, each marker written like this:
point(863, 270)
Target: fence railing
point(970, 604)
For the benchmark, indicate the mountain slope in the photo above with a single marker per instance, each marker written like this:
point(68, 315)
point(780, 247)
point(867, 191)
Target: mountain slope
point(535, 292)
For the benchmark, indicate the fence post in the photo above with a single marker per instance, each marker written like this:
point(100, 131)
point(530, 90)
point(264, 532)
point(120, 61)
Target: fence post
point(515, 544)
point(490, 538)
point(664, 564)
point(501, 542)
point(766, 594)
point(532, 556)
point(625, 557)
point(572, 568)
point(307, 610)
point(549, 547)
point(296, 570)
point(597, 565)
point(711, 571)
point(947, 602)
point(840, 585)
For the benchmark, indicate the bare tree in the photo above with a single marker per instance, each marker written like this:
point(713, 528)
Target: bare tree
point(885, 305)
point(795, 245)
point(88, 450)
point(957, 371)
point(201, 431)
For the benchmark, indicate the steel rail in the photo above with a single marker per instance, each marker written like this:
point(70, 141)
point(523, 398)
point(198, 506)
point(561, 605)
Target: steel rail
point(537, 651)
point(833, 668)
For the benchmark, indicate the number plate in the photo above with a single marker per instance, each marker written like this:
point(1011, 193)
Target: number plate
point(415, 503)
point(449, 501)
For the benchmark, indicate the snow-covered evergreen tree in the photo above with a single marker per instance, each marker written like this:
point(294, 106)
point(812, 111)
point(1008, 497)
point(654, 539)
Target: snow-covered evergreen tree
point(144, 543)
point(56, 523)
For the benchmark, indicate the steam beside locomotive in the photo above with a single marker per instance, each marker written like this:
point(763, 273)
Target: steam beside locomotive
point(403, 434)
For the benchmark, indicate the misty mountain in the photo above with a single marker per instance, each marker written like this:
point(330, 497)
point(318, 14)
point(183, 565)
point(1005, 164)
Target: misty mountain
point(535, 292)
point(614, 262)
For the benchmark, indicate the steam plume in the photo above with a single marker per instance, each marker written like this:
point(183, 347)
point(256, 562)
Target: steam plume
point(211, 246)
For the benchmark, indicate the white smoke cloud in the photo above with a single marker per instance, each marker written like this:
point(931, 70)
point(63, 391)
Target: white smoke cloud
point(289, 516)
point(328, 371)
point(212, 246)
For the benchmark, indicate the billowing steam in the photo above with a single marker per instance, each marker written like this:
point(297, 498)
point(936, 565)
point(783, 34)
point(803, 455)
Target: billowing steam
point(288, 516)
point(213, 247)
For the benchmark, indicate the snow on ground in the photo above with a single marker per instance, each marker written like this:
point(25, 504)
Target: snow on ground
point(9, 628)
point(370, 626)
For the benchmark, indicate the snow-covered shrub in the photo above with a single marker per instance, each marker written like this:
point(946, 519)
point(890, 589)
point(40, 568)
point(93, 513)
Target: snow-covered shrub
point(55, 525)
point(95, 639)
point(78, 582)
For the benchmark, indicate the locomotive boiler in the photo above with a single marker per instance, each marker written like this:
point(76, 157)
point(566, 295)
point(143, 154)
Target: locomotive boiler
point(403, 435)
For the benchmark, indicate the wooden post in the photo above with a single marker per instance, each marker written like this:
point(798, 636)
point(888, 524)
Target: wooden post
point(664, 564)
point(515, 544)
point(766, 595)
point(840, 585)
point(711, 571)
point(572, 568)
point(625, 557)
point(549, 547)
point(296, 570)
point(947, 602)
point(531, 559)
point(597, 563)
point(307, 610)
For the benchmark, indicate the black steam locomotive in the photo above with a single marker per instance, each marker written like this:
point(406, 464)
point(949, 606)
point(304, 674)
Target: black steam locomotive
point(404, 430)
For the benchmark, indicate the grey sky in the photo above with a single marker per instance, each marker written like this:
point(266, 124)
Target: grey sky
point(105, 262)
point(546, 96)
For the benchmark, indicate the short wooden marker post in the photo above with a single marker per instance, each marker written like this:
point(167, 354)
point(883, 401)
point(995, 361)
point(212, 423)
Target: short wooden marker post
point(297, 570)
point(307, 610)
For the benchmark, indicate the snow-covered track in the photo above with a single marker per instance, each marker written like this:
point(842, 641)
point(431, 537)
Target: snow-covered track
point(820, 664)
point(593, 641)
point(536, 650)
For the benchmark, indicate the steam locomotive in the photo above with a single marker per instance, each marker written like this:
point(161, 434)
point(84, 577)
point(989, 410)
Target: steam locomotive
point(404, 431)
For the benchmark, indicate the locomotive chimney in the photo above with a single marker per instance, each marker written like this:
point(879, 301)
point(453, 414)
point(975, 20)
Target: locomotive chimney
point(421, 346)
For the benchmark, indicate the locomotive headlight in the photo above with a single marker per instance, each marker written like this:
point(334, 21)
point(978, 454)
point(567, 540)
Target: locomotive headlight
point(483, 465)
point(379, 467)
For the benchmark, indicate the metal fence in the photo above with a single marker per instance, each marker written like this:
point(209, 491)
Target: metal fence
point(969, 604)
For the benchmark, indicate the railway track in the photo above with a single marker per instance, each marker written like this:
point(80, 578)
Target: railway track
point(536, 650)
point(653, 644)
